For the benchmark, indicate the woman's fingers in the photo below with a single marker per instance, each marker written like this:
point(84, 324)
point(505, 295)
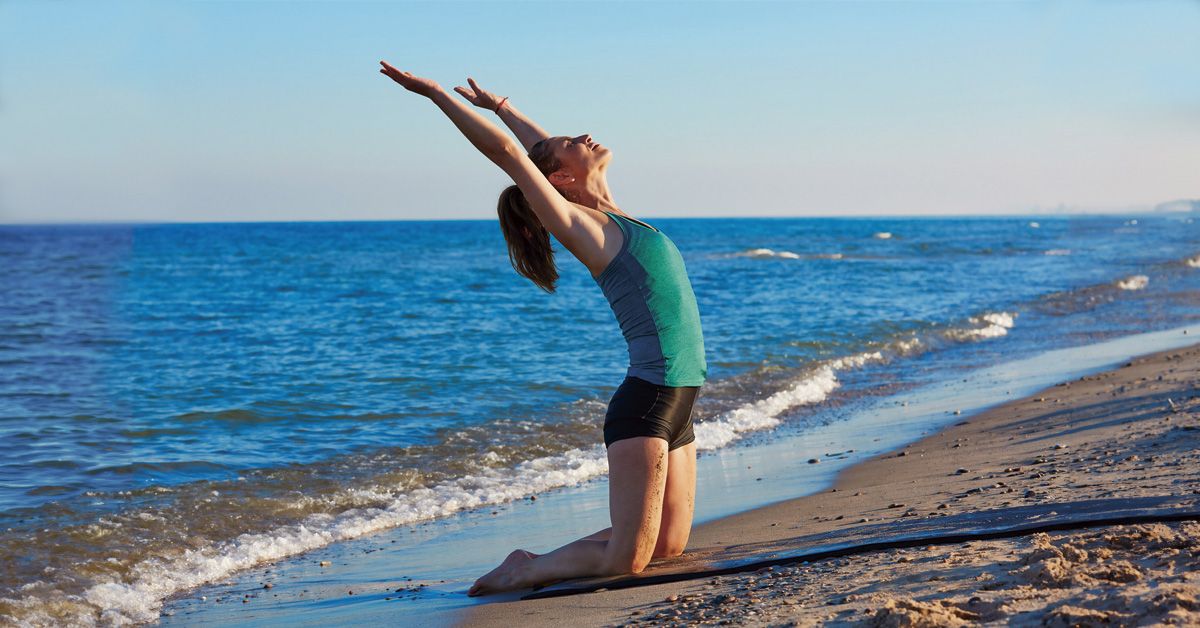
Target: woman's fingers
point(478, 90)
point(468, 94)
point(417, 84)
point(391, 70)
point(396, 75)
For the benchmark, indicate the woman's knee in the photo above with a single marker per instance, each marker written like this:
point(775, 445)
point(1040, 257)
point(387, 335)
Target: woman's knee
point(671, 543)
point(625, 562)
point(670, 548)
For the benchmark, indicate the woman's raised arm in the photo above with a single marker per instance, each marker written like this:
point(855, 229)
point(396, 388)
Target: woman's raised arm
point(486, 137)
point(558, 215)
point(526, 130)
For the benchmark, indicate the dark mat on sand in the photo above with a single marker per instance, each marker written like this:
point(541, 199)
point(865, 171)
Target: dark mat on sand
point(899, 533)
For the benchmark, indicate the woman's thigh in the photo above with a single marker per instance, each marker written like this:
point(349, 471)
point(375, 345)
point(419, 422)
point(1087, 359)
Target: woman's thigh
point(637, 478)
point(679, 501)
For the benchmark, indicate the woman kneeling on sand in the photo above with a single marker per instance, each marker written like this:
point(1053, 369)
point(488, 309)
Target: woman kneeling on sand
point(560, 189)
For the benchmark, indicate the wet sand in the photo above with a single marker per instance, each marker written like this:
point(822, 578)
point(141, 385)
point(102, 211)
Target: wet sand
point(1129, 433)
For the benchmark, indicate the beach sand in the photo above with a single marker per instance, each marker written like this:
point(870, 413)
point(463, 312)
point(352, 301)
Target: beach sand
point(1122, 435)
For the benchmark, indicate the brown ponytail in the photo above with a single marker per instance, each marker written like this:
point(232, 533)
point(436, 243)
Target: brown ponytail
point(528, 241)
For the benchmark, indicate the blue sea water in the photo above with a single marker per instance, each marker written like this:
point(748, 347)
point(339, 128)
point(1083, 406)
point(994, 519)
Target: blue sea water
point(179, 401)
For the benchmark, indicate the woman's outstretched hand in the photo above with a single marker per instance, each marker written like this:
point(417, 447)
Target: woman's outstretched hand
point(423, 86)
point(479, 96)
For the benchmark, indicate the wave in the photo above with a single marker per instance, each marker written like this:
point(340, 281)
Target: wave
point(765, 413)
point(991, 325)
point(1193, 262)
point(1057, 252)
point(1087, 297)
point(139, 598)
point(768, 253)
point(1133, 282)
point(177, 467)
point(134, 591)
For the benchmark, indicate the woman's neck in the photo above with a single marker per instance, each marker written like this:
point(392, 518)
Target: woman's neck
point(595, 193)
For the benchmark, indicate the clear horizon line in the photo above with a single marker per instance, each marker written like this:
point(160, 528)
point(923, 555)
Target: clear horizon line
point(1028, 214)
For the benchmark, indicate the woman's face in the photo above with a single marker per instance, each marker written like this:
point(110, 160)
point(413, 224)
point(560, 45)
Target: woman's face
point(580, 154)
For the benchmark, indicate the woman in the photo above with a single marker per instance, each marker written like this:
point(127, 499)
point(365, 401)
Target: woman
point(560, 189)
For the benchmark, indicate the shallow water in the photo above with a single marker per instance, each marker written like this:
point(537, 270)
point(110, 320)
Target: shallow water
point(182, 401)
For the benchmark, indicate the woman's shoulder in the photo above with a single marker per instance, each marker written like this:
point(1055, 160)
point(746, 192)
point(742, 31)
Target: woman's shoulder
point(594, 238)
point(597, 216)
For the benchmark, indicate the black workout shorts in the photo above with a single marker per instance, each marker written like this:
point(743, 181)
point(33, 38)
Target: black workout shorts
point(642, 408)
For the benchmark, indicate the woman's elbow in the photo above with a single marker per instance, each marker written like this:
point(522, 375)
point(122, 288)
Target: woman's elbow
point(506, 153)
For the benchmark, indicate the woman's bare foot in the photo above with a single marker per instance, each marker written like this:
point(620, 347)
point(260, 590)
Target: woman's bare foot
point(504, 577)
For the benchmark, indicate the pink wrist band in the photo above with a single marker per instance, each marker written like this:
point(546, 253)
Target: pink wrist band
point(501, 104)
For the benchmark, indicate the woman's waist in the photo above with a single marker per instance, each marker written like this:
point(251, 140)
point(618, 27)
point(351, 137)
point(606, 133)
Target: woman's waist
point(667, 343)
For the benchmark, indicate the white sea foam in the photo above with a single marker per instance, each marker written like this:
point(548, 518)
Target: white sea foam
point(767, 253)
point(1057, 252)
point(1194, 262)
point(139, 597)
point(855, 361)
point(989, 325)
point(1034, 225)
point(1133, 282)
point(906, 346)
point(882, 235)
point(764, 413)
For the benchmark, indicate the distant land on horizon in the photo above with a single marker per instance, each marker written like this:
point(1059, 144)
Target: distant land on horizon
point(1180, 205)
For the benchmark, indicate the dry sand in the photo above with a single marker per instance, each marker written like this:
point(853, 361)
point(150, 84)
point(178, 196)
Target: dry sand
point(1132, 432)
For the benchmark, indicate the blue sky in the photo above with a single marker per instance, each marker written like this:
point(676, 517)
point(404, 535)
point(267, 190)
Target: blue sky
point(223, 111)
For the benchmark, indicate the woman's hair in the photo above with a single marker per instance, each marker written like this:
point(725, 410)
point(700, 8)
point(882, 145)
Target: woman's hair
point(528, 241)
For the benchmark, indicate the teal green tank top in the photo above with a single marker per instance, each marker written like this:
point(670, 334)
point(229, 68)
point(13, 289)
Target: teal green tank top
point(647, 286)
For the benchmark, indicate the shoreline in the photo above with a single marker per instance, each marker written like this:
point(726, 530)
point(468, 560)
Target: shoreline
point(1110, 434)
point(406, 571)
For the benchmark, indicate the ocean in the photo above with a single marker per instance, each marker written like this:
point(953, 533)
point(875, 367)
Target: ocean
point(179, 402)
